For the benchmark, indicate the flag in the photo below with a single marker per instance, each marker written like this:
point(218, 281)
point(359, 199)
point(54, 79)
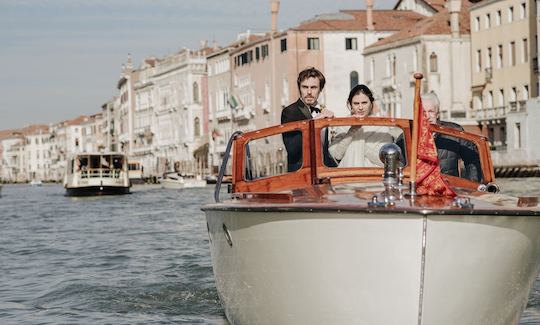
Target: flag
point(428, 174)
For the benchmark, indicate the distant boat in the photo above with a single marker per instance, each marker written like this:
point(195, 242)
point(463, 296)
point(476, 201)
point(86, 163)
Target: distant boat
point(136, 172)
point(97, 174)
point(174, 180)
point(36, 182)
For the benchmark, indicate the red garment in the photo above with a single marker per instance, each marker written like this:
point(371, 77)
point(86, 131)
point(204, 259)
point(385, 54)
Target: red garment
point(428, 173)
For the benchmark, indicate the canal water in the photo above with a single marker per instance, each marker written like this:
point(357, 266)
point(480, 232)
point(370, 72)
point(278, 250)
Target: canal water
point(141, 258)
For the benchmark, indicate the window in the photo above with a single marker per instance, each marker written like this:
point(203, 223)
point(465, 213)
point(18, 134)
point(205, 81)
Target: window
point(478, 60)
point(197, 127)
point(525, 92)
point(476, 23)
point(499, 56)
point(372, 69)
point(490, 99)
point(513, 95)
point(264, 51)
point(488, 21)
point(415, 60)
point(283, 44)
point(522, 11)
point(313, 43)
point(433, 62)
point(488, 58)
point(353, 78)
point(524, 50)
point(512, 54)
point(257, 53)
point(351, 44)
point(517, 136)
point(195, 92)
point(498, 18)
point(510, 14)
point(501, 97)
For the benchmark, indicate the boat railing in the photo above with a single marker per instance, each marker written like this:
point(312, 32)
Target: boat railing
point(224, 164)
point(101, 173)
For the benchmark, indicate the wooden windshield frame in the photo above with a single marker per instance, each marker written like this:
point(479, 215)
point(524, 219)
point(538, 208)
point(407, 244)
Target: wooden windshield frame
point(307, 176)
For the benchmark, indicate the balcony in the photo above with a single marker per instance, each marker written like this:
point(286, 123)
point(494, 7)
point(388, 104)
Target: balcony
point(389, 83)
point(243, 114)
point(223, 115)
point(518, 106)
point(489, 113)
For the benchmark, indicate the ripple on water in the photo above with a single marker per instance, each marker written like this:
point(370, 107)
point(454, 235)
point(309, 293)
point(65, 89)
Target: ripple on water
point(134, 259)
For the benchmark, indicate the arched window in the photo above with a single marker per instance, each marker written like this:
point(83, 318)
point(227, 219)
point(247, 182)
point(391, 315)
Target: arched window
point(197, 127)
point(433, 67)
point(354, 78)
point(195, 92)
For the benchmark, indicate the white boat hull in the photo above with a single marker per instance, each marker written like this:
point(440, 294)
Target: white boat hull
point(359, 268)
point(179, 184)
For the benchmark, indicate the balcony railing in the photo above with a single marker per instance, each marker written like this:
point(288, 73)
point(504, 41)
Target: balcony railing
point(518, 106)
point(489, 113)
point(242, 114)
point(389, 82)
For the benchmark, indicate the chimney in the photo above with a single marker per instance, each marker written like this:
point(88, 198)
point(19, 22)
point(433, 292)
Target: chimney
point(369, 14)
point(454, 7)
point(274, 8)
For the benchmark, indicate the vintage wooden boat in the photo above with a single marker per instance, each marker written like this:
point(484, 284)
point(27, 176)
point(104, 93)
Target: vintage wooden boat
point(327, 245)
point(97, 174)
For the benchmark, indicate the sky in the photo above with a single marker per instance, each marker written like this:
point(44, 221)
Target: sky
point(62, 58)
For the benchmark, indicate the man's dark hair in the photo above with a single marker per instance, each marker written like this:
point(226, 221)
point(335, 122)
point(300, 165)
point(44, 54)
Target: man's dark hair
point(311, 72)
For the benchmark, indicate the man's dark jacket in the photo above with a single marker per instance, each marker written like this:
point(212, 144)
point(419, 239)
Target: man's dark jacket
point(299, 111)
point(450, 149)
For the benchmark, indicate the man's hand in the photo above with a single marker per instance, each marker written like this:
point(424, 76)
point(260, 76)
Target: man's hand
point(325, 113)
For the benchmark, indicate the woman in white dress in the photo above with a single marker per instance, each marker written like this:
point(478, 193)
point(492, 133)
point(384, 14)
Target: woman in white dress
point(359, 146)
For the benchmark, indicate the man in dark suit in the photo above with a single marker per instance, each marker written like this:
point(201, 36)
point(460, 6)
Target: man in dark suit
point(450, 150)
point(310, 84)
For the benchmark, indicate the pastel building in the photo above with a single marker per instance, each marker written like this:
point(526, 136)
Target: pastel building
point(38, 153)
point(438, 47)
point(504, 53)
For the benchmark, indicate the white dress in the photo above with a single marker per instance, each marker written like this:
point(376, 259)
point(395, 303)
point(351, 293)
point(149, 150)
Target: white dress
point(359, 146)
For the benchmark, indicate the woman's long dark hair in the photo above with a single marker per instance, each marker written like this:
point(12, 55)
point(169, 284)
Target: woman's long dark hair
point(360, 89)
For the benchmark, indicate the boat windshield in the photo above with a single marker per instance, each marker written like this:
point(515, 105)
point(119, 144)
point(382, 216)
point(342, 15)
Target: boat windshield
point(350, 148)
point(358, 145)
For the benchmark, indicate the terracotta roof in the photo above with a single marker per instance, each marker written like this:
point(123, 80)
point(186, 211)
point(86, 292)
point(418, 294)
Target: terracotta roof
point(35, 129)
point(6, 133)
point(78, 120)
point(438, 24)
point(383, 20)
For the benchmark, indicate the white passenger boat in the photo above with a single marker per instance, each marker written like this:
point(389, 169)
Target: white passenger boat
point(326, 245)
point(174, 180)
point(97, 174)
